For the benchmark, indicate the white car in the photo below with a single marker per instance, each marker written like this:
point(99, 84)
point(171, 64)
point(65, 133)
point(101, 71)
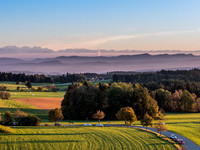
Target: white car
point(99, 125)
point(87, 124)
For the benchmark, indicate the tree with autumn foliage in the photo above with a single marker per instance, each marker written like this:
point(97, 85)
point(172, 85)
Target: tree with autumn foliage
point(126, 114)
point(55, 115)
point(160, 126)
point(147, 121)
point(99, 115)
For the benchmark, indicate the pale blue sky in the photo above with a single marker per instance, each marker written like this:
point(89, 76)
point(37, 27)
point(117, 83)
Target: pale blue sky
point(101, 24)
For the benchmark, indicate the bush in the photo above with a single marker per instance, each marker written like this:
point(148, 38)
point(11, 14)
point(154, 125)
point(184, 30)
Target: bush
point(40, 89)
point(18, 88)
point(5, 95)
point(33, 89)
point(8, 118)
point(30, 120)
point(4, 129)
point(3, 88)
point(52, 88)
point(18, 115)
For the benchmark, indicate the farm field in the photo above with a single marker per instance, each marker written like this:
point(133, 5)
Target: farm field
point(86, 138)
point(42, 102)
point(15, 95)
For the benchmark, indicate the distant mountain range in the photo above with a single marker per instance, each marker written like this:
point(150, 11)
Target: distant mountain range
point(102, 64)
point(34, 52)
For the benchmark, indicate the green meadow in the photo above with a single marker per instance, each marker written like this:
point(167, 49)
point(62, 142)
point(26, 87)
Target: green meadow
point(15, 95)
point(86, 138)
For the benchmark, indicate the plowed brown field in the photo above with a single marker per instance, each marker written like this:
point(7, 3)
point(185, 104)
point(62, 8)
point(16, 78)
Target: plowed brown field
point(42, 103)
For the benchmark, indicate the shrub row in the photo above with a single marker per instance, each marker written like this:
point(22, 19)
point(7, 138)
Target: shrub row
point(20, 118)
point(5, 95)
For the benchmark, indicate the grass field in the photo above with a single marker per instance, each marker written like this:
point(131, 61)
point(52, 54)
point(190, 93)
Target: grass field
point(15, 95)
point(84, 138)
point(13, 105)
point(186, 124)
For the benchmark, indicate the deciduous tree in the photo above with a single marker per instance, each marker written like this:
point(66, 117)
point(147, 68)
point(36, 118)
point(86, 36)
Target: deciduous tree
point(147, 121)
point(143, 103)
point(99, 115)
point(55, 115)
point(160, 126)
point(126, 114)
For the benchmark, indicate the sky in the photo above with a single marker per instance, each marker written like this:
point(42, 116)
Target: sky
point(101, 24)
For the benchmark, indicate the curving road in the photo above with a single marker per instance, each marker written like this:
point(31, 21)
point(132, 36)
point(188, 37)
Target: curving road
point(189, 145)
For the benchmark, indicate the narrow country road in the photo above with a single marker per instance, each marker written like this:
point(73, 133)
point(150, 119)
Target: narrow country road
point(189, 145)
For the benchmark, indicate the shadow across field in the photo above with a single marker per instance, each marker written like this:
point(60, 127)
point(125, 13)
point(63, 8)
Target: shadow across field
point(42, 141)
point(48, 134)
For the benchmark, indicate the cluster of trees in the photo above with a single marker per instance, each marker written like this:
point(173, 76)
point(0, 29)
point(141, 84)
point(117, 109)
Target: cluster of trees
point(168, 80)
point(22, 77)
point(128, 114)
point(178, 101)
point(19, 118)
point(82, 100)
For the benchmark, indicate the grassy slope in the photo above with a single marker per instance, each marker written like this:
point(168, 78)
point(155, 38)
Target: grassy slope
point(12, 105)
point(186, 124)
point(86, 138)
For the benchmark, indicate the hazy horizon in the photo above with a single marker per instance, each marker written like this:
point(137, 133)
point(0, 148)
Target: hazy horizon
point(38, 52)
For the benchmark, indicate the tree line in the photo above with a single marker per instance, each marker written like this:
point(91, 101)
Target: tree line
point(165, 79)
point(22, 77)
